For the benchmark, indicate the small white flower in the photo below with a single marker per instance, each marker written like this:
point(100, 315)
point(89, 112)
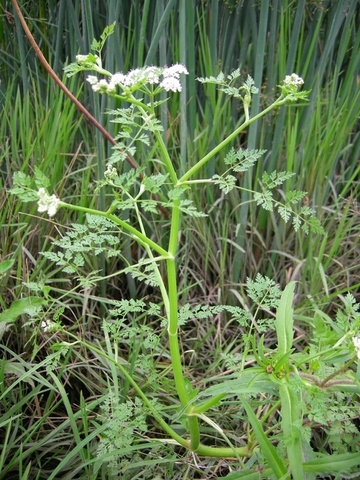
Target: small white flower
point(293, 80)
point(48, 326)
point(175, 71)
point(152, 74)
point(110, 172)
point(118, 79)
point(356, 341)
point(171, 83)
point(134, 77)
point(92, 79)
point(102, 86)
point(47, 203)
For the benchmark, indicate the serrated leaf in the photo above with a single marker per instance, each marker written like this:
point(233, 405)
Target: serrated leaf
point(149, 206)
point(285, 213)
point(187, 207)
point(154, 183)
point(219, 80)
point(226, 183)
point(264, 200)
point(263, 291)
point(41, 180)
point(22, 188)
point(296, 223)
point(294, 196)
point(97, 45)
point(275, 178)
point(242, 160)
point(231, 91)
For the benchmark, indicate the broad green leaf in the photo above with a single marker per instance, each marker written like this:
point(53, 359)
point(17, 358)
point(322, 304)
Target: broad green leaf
point(21, 307)
point(249, 383)
point(5, 266)
point(284, 319)
point(291, 416)
point(332, 463)
point(267, 449)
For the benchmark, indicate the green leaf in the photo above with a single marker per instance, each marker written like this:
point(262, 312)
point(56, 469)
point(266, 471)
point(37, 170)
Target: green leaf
point(264, 200)
point(243, 475)
point(290, 420)
point(154, 183)
point(284, 319)
point(332, 463)
point(22, 187)
point(21, 307)
point(267, 449)
point(41, 180)
point(263, 291)
point(242, 160)
point(226, 183)
point(285, 213)
point(275, 178)
point(294, 196)
point(254, 382)
point(6, 265)
point(97, 45)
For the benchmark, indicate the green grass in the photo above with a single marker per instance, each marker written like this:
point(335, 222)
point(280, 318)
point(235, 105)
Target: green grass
point(50, 425)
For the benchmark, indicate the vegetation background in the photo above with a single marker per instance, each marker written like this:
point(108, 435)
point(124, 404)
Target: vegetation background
point(48, 426)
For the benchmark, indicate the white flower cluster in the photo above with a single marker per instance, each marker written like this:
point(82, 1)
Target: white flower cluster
point(167, 78)
point(48, 326)
point(293, 80)
point(47, 203)
point(110, 172)
point(356, 341)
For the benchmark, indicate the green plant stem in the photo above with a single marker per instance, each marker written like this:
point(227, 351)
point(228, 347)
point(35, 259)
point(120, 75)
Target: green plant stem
point(173, 325)
point(145, 109)
point(341, 370)
point(134, 101)
point(204, 407)
point(154, 264)
point(143, 238)
point(280, 101)
point(159, 139)
point(201, 449)
point(166, 158)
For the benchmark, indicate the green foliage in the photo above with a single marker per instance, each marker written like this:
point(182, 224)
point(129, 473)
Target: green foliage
point(215, 253)
point(98, 236)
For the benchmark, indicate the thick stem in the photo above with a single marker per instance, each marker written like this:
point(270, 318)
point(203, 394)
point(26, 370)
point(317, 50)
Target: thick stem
point(179, 378)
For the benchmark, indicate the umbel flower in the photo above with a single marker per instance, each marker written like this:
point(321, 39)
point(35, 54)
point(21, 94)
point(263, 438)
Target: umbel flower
point(167, 78)
point(47, 203)
point(290, 88)
point(293, 80)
